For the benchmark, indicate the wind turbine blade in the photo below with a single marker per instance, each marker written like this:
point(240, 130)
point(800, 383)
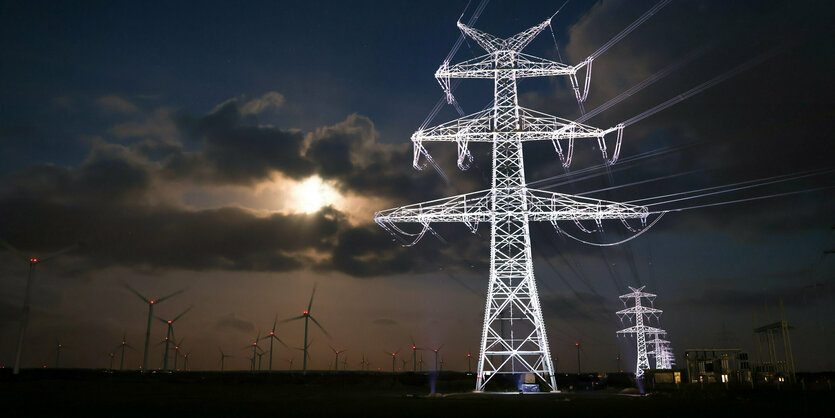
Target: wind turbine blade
point(132, 290)
point(439, 348)
point(292, 319)
point(310, 304)
point(60, 252)
point(160, 319)
point(181, 315)
point(331, 347)
point(14, 250)
point(279, 340)
point(275, 321)
point(319, 325)
point(171, 295)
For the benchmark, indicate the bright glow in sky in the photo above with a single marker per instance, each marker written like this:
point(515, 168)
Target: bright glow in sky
point(310, 195)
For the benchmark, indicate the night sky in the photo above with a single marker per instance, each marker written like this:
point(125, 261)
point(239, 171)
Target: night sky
point(240, 151)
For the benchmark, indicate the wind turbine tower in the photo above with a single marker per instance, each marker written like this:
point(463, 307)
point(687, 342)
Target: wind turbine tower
point(222, 358)
point(169, 337)
point(24, 315)
point(124, 344)
point(273, 337)
point(638, 312)
point(307, 317)
point(151, 303)
point(513, 338)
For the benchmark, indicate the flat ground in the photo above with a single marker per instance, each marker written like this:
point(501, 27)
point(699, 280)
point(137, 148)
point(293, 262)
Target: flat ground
point(98, 393)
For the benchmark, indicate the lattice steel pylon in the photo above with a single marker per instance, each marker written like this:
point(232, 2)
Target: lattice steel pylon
point(639, 329)
point(661, 351)
point(513, 338)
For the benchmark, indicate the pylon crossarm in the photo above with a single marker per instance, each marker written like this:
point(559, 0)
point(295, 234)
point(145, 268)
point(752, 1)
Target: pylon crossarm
point(486, 41)
point(640, 309)
point(551, 206)
point(533, 126)
point(519, 41)
point(531, 66)
point(643, 329)
point(478, 67)
point(467, 208)
point(472, 128)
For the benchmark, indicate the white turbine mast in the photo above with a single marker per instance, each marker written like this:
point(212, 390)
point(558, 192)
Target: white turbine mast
point(639, 311)
point(513, 339)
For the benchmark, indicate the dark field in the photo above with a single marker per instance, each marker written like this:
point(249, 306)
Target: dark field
point(98, 393)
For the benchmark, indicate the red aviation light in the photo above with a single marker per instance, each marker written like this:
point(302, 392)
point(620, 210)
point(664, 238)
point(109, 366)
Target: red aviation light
point(272, 333)
point(306, 313)
point(170, 321)
point(414, 348)
point(152, 302)
point(33, 260)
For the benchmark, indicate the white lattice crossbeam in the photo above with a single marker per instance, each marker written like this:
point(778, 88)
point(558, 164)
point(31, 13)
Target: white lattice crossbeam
point(542, 206)
point(536, 126)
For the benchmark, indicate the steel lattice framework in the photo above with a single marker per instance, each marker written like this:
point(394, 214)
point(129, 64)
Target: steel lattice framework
point(513, 338)
point(639, 311)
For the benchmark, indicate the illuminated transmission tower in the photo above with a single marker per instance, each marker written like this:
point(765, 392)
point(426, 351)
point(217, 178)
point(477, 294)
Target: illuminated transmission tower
point(661, 351)
point(640, 330)
point(513, 338)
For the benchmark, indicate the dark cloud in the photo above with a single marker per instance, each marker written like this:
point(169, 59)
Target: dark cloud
point(237, 153)
point(231, 321)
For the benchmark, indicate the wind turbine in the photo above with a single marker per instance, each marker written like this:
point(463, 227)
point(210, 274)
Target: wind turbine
point(415, 349)
point(307, 316)
point(151, 303)
point(255, 348)
point(170, 335)
point(436, 350)
point(272, 337)
point(112, 355)
point(420, 363)
point(222, 358)
point(305, 352)
point(24, 315)
point(336, 362)
point(393, 359)
point(469, 363)
point(344, 363)
point(290, 367)
point(176, 351)
point(123, 345)
point(58, 347)
point(185, 361)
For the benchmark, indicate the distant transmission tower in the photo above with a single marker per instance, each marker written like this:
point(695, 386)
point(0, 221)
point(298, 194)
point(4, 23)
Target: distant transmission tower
point(661, 351)
point(638, 311)
point(513, 338)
